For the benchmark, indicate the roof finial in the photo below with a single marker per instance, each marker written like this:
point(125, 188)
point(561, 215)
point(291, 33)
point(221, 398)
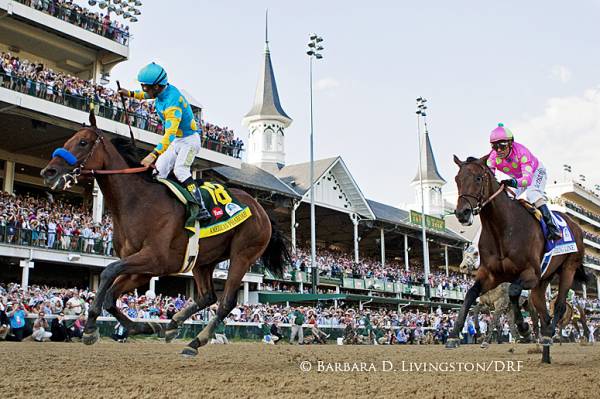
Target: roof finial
point(267, 30)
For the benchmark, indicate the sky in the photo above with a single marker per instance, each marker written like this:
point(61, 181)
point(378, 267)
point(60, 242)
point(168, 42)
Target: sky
point(534, 65)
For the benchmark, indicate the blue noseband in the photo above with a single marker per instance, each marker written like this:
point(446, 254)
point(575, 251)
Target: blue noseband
point(66, 155)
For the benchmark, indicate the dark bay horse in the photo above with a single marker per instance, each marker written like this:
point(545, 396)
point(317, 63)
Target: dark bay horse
point(511, 248)
point(150, 240)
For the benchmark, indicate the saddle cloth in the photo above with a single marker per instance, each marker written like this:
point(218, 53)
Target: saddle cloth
point(565, 245)
point(226, 211)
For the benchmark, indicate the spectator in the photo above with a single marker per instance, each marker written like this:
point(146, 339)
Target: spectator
point(41, 330)
point(16, 316)
point(297, 317)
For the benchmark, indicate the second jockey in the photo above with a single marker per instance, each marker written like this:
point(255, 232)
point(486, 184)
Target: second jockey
point(181, 141)
point(527, 173)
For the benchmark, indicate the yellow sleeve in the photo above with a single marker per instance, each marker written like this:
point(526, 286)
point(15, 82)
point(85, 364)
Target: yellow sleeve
point(172, 119)
point(140, 95)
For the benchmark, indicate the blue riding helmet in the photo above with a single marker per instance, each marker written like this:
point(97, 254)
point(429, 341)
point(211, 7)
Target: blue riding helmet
point(153, 74)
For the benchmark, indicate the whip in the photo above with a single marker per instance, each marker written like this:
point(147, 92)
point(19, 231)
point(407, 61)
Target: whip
point(126, 116)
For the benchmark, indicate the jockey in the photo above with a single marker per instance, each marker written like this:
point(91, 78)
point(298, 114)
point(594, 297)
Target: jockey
point(181, 141)
point(528, 175)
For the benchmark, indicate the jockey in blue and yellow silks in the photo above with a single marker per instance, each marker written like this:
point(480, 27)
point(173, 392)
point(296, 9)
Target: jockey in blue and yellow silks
point(181, 141)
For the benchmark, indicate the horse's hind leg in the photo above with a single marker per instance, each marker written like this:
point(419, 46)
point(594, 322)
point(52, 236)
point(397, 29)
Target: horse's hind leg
point(560, 306)
point(238, 266)
point(205, 296)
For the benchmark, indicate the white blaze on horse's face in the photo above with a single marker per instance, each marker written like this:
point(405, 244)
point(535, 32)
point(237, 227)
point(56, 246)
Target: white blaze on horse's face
point(470, 258)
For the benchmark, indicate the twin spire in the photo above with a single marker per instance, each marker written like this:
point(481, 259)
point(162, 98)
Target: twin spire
point(266, 100)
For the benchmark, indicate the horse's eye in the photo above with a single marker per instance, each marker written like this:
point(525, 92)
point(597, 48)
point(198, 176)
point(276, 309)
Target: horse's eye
point(83, 143)
point(478, 179)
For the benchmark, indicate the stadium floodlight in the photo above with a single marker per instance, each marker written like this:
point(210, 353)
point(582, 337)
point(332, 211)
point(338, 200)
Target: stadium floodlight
point(112, 8)
point(138, 3)
point(120, 11)
point(92, 2)
point(133, 19)
point(582, 177)
point(313, 53)
point(103, 4)
point(136, 11)
point(127, 15)
point(421, 114)
point(116, 1)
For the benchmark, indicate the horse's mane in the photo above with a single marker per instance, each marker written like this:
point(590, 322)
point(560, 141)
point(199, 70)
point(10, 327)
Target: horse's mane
point(131, 154)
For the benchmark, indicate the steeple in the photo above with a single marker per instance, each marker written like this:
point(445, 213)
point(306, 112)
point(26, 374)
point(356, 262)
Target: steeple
point(432, 181)
point(429, 167)
point(266, 120)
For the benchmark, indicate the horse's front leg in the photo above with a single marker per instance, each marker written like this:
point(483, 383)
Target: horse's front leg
point(514, 293)
point(472, 295)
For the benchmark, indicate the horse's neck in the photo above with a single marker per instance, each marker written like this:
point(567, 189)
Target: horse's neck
point(497, 216)
point(121, 191)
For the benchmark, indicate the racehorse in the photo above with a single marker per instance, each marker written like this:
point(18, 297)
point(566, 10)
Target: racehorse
point(511, 248)
point(574, 314)
point(498, 303)
point(149, 235)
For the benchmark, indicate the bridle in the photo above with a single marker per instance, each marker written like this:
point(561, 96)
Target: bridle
point(479, 199)
point(71, 177)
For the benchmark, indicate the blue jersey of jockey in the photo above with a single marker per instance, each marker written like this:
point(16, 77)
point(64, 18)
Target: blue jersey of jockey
point(181, 140)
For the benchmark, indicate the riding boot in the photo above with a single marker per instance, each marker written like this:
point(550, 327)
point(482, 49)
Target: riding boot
point(203, 214)
point(554, 232)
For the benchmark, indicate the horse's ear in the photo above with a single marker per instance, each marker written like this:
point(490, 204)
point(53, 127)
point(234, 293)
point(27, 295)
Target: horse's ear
point(92, 116)
point(458, 161)
point(484, 159)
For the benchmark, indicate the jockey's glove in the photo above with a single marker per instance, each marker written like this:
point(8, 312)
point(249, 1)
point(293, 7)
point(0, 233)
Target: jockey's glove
point(510, 183)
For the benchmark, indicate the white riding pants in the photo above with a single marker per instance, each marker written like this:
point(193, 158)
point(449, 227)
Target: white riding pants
point(179, 157)
point(535, 193)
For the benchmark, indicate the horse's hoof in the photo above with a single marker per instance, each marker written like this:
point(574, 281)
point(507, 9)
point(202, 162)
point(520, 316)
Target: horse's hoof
point(189, 352)
point(91, 338)
point(484, 345)
point(170, 335)
point(546, 341)
point(452, 343)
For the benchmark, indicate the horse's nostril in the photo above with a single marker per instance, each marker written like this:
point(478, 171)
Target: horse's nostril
point(49, 172)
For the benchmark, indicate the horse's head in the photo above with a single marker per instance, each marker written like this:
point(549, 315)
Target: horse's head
point(82, 150)
point(474, 180)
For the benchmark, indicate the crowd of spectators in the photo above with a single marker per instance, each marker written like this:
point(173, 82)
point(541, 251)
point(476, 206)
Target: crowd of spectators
point(75, 14)
point(582, 210)
point(591, 259)
point(36, 79)
point(591, 236)
point(35, 221)
point(49, 306)
point(337, 264)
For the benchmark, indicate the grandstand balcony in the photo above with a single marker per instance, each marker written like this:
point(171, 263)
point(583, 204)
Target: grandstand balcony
point(34, 125)
point(59, 40)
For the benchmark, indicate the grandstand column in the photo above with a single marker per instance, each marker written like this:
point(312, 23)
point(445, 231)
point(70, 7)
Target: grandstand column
point(382, 245)
point(190, 288)
point(26, 264)
point(94, 281)
point(153, 281)
point(246, 292)
point(446, 259)
point(9, 176)
point(598, 285)
point(406, 251)
point(354, 218)
point(294, 225)
point(584, 289)
point(98, 203)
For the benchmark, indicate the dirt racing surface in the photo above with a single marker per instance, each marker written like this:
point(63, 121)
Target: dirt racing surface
point(153, 369)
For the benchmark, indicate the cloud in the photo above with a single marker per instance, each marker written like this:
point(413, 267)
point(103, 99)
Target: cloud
point(566, 132)
point(561, 73)
point(327, 84)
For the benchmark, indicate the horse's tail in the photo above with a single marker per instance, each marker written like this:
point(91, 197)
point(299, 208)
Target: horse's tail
point(276, 254)
point(580, 278)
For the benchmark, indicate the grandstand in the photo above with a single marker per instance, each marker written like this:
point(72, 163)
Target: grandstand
point(369, 252)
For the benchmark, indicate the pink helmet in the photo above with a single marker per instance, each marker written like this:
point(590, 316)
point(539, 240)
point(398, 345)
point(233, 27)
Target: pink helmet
point(501, 134)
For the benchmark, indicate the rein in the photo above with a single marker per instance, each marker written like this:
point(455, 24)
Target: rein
point(478, 199)
point(71, 178)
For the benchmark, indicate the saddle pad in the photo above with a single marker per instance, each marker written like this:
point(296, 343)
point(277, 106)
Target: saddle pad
point(565, 245)
point(225, 210)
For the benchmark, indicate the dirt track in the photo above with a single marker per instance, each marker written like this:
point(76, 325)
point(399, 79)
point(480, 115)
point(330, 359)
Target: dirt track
point(154, 369)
